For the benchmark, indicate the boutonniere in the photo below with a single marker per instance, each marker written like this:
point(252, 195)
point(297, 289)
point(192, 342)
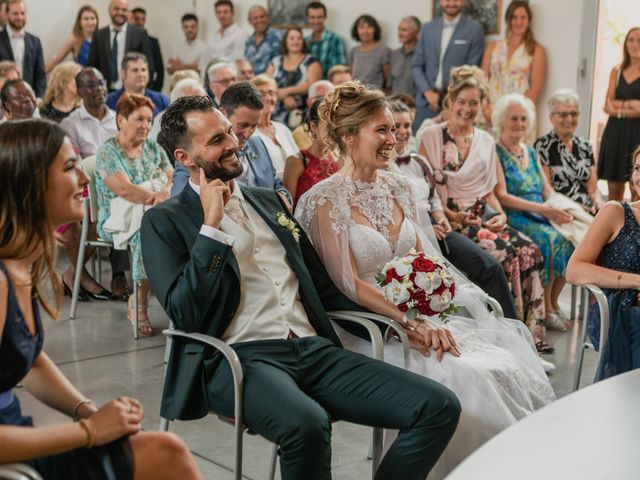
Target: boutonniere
point(286, 222)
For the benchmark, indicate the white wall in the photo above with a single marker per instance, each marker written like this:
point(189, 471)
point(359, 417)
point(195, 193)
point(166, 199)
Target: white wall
point(557, 26)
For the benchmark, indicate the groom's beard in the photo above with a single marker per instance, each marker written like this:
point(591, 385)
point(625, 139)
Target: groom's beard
point(228, 169)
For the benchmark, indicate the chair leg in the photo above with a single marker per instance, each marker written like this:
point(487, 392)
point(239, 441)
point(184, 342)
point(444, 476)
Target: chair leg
point(584, 307)
point(135, 311)
point(274, 461)
point(164, 425)
point(376, 451)
point(574, 291)
point(79, 266)
point(99, 255)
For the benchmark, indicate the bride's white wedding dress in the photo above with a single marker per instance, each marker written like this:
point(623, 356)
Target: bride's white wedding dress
point(498, 377)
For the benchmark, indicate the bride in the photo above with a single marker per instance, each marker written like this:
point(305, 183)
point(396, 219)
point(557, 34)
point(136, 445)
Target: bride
point(362, 217)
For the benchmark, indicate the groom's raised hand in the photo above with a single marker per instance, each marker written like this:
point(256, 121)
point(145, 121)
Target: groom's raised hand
point(213, 196)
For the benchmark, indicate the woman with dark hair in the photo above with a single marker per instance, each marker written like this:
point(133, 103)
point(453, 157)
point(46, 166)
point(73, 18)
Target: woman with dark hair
point(37, 162)
point(516, 64)
point(303, 171)
point(369, 60)
point(622, 133)
point(18, 100)
point(79, 41)
point(133, 168)
point(294, 71)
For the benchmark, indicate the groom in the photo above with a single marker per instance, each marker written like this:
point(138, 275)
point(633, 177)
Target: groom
point(221, 264)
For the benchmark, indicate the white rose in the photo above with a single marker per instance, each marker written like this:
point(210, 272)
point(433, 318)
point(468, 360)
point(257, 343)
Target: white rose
point(427, 281)
point(439, 303)
point(396, 292)
point(283, 221)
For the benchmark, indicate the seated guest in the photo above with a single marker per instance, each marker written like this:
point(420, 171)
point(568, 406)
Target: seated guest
point(221, 75)
point(326, 46)
point(18, 100)
point(408, 101)
point(189, 53)
point(275, 135)
point(264, 43)
point(522, 188)
point(567, 159)
point(312, 164)
point(79, 42)
point(609, 256)
point(135, 77)
point(480, 267)
point(317, 91)
point(61, 96)
point(182, 74)
point(8, 71)
point(400, 77)
point(105, 442)
point(264, 303)
point(465, 170)
point(294, 70)
point(244, 69)
point(370, 59)
point(126, 168)
point(339, 74)
point(186, 87)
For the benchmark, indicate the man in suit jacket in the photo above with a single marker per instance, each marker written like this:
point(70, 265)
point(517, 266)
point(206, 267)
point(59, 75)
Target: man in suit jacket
point(242, 103)
point(445, 42)
point(23, 48)
point(220, 264)
point(110, 44)
point(156, 82)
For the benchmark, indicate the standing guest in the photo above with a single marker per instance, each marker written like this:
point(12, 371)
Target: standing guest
point(445, 42)
point(244, 69)
point(302, 134)
point(229, 39)
point(3, 13)
point(190, 53)
point(609, 256)
point(294, 71)
point(36, 157)
point(517, 63)
point(61, 97)
point(123, 164)
point(370, 59)
point(264, 43)
point(156, 82)
point(18, 99)
point(401, 79)
point(221, 76)
point(312, 164)
point(110, 44)
point(567, 159)
point(622, 133)
point(23, 48)
point(339, 74)
point(79, 42)
point(276, 136)
point(465, 171)
point(522, 188)
point(135, 77)
point(325, 46)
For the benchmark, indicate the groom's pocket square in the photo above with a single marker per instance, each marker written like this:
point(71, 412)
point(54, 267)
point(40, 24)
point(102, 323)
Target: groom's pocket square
point(460, 42)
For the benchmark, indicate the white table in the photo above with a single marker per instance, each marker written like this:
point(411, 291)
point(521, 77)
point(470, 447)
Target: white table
point(592, 434)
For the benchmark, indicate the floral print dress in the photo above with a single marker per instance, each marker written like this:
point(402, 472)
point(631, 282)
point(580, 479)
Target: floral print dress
point(519, 256)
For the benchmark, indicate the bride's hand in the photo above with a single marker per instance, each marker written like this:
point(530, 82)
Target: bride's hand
point(439, 339)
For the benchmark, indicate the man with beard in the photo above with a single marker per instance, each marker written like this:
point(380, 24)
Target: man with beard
point(445, 42)
point(242, 103)
point(23, 48)
point(221, 264)
point(110, 44)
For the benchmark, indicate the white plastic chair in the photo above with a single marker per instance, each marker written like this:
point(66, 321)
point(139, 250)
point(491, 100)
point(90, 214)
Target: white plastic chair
point(18, 471)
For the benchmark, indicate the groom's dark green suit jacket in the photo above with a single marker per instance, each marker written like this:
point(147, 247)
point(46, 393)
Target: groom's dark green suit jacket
point(197, 281)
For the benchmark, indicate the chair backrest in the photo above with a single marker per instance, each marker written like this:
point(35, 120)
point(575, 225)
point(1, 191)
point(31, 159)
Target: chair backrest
point(89, 167)
point(18, 471)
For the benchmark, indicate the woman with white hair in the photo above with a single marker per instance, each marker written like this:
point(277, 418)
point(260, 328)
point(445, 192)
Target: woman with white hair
point(567, 159)
point(522, 189)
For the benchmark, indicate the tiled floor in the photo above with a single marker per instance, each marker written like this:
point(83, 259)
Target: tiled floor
point(98, 354)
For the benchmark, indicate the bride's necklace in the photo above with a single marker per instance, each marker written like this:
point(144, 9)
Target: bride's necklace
point(374, 201)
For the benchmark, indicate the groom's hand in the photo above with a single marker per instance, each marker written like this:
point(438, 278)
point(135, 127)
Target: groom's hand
point(213, 196)
point(439, 339)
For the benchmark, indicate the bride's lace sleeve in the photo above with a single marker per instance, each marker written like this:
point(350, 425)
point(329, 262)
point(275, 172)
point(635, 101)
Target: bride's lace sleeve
point(324, 215)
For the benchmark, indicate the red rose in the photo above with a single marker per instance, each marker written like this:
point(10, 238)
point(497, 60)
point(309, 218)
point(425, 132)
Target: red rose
point(391, 274)
point(419, 295)
point(452, 289)
point(439, 290)
point(425, 309)
point(421, 264)
point(403, 307)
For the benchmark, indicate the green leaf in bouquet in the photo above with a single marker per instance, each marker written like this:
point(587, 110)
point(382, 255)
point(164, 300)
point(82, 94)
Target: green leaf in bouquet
point(411, 314)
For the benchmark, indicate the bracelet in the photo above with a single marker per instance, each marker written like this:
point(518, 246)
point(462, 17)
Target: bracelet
point(91, 435)
point(78, 405)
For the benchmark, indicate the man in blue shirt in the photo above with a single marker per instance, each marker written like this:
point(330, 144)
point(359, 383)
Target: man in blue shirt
point(135, 77)
point(325, 46)
point(264, 43)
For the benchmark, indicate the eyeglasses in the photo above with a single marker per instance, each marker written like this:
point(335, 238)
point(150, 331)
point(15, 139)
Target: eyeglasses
point(564, 115)
point(225, 82)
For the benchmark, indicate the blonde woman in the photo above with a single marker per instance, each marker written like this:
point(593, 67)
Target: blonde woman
point(61, 97)
point(78, 42)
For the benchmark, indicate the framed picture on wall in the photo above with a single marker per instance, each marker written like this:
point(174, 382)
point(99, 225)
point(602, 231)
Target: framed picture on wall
point(487, 12)
point(287, 13)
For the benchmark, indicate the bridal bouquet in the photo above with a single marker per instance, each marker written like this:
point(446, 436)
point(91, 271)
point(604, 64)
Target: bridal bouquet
point(419, 284)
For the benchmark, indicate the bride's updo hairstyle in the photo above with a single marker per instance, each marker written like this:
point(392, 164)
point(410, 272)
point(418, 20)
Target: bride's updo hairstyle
point(463, 77)
point(346, 109)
